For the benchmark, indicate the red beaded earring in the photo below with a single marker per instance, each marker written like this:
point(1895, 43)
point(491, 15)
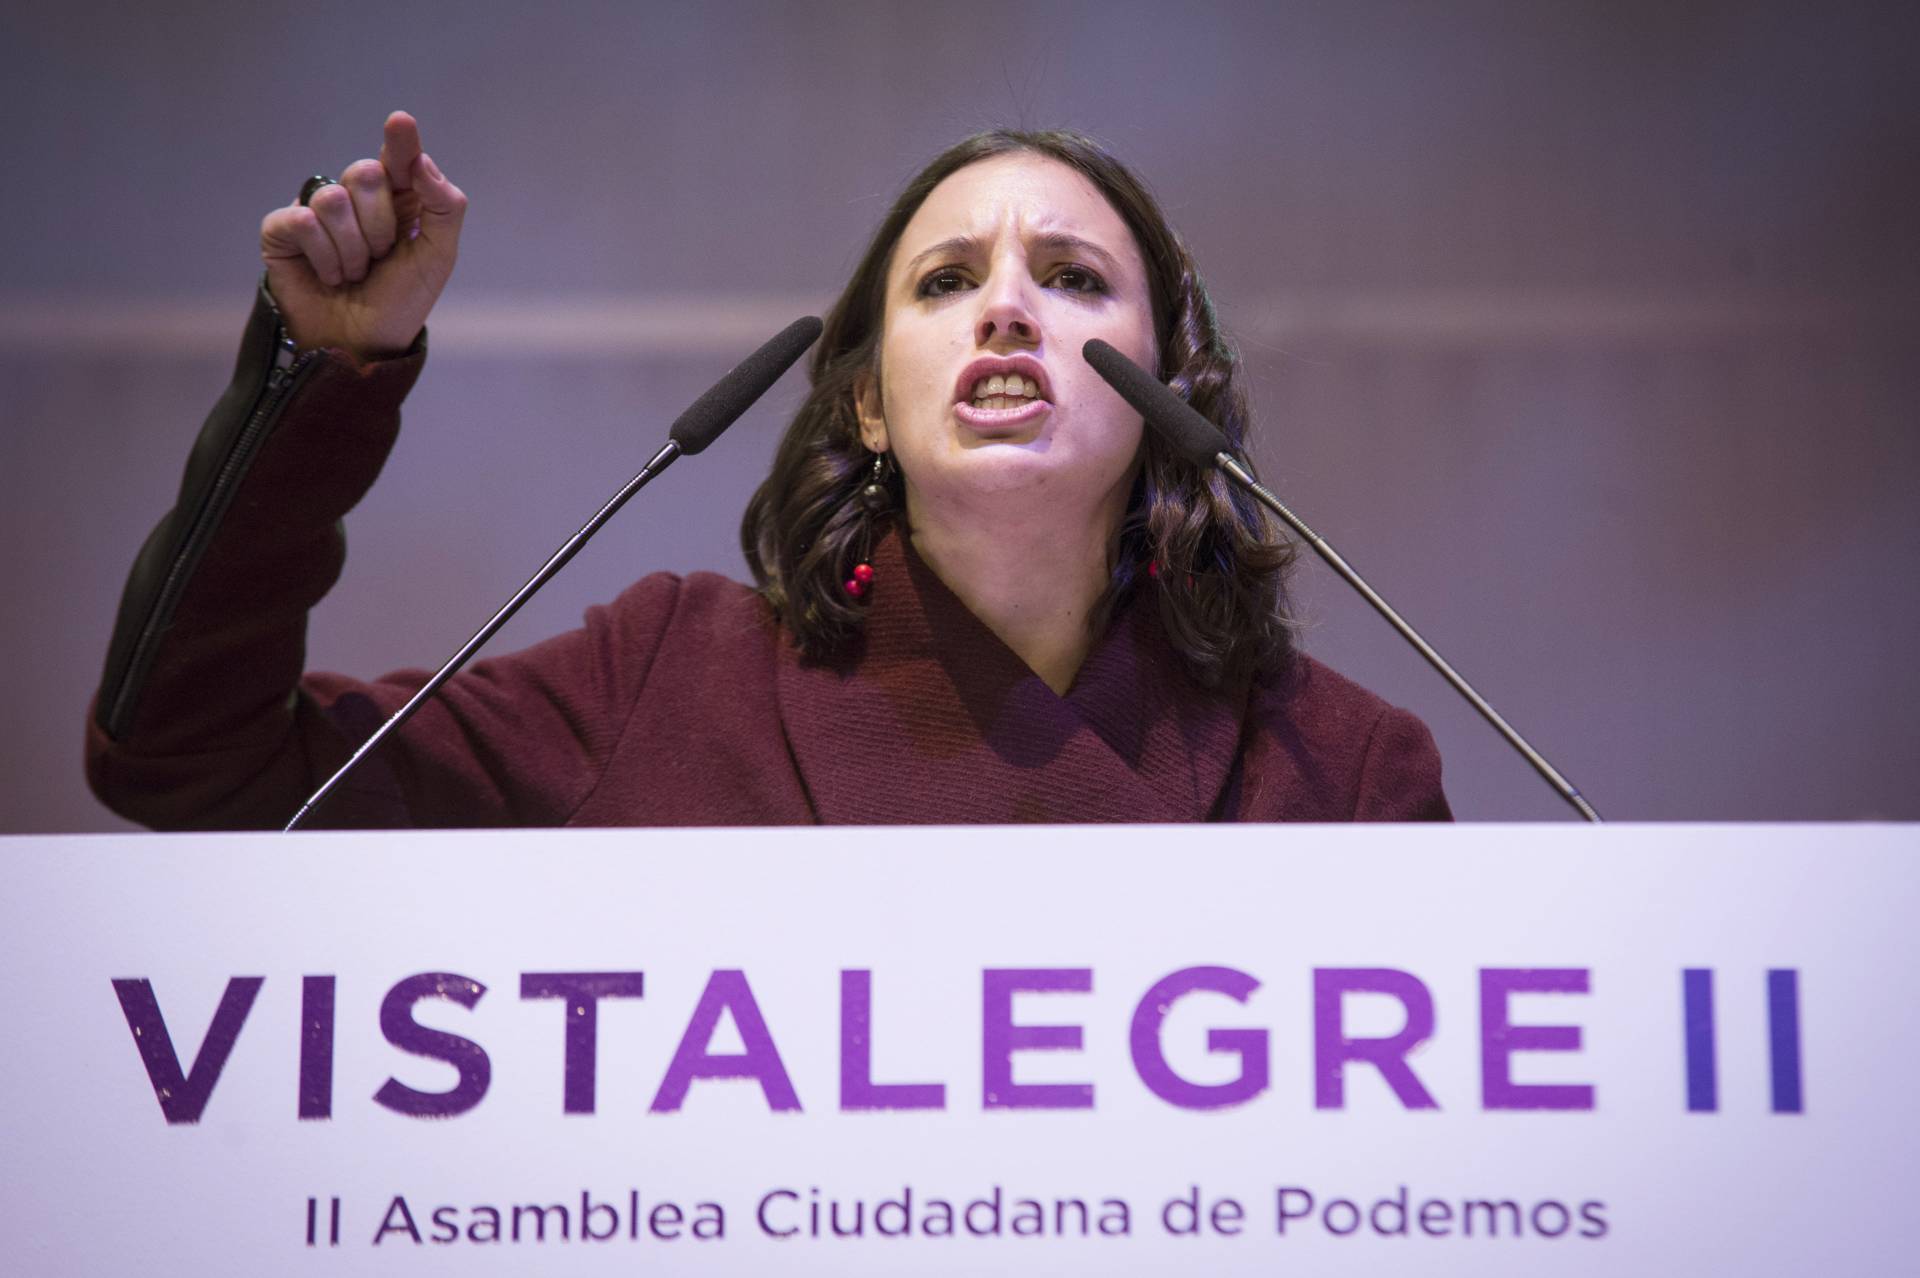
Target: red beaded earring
point(873, 502)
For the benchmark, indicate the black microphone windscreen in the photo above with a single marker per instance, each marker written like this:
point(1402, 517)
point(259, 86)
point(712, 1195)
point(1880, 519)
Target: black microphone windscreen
point(744, 383)
point(1179, 423)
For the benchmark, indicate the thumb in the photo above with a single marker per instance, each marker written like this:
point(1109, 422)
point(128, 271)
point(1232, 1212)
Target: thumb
point(443, 206)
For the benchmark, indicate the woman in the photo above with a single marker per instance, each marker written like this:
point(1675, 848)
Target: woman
point(984, 594)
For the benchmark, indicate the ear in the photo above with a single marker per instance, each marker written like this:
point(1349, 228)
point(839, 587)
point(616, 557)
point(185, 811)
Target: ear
point(867, 408)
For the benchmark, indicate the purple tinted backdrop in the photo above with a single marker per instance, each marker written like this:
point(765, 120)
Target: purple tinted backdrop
point(1584, 330)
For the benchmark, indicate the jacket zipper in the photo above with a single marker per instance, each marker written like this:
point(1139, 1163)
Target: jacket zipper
point(290, 367)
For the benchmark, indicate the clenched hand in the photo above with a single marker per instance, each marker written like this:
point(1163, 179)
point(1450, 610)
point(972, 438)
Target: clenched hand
point(363, 264)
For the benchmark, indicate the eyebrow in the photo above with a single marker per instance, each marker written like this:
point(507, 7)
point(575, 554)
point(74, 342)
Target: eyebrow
point(1057, 241)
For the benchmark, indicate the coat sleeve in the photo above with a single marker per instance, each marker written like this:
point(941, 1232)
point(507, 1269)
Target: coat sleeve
point(204, 719)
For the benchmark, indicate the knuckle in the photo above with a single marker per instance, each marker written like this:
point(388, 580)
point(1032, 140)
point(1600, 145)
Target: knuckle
point(330, 200)
point(367, 175)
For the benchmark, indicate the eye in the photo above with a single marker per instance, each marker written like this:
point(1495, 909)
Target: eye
point(941, 283)
point(1078, 279)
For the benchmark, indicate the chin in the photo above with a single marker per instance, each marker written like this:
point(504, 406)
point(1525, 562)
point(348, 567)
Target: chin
point(1031, 469)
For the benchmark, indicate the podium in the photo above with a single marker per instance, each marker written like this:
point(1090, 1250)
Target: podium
point(1064, 1050)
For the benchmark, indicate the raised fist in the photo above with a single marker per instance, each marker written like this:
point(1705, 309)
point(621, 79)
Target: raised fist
point(362, 264)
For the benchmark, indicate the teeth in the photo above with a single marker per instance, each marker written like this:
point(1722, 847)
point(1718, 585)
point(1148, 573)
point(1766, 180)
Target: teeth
point(1004, 391)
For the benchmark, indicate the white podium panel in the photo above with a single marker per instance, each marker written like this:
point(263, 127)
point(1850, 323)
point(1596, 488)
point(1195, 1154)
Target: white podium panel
point(1468, 1050)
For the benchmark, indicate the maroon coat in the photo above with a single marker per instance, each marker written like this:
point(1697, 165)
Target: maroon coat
point(682, 702)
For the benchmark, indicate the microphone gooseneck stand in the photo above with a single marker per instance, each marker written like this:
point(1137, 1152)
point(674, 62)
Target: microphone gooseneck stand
point(1202, 443)
point(712, 413)
point(659, 462)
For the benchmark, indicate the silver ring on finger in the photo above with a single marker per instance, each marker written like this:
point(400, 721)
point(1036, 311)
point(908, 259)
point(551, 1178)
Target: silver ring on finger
point(312, 185)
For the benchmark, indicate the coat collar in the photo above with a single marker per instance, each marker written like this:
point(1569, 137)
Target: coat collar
point(932, 719)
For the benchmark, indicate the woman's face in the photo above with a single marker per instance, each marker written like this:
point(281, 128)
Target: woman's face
point(1003, 273)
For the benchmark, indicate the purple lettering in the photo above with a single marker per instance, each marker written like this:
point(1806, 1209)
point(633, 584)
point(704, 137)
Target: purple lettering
point(1696, 999)
point(1500, 1039)
point(1283, 1213)
point(316, 1047)
point(466, 1056)
point(1002, 1038)
point(766, 1226)
point(1250, 1045)
point(991, 1217)
point(403, 1225)
point(727, 991)
point(857, 1088)
point(1561, 1225)
point(1783, 1038)
point(1332, 1049)
point(183, 1097)
point(591, 1213)
point(1397, 1209)
point(583, 992)
point(1182, 1215)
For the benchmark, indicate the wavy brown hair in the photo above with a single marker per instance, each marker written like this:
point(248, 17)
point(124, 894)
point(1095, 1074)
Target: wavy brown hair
point(1215, 560)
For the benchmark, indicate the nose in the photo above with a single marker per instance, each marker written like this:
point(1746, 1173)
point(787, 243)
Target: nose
point(1006, 312)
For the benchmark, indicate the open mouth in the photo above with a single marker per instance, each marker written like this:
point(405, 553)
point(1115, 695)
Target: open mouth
point(997, 394)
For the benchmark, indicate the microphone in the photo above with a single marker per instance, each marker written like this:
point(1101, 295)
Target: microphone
point(744, 383)
point(690, 433)
point(1202, 443)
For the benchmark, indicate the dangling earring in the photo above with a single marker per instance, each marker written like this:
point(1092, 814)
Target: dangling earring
point(874, 502)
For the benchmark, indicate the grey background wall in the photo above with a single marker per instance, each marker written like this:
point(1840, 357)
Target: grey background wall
point(1586, 330)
